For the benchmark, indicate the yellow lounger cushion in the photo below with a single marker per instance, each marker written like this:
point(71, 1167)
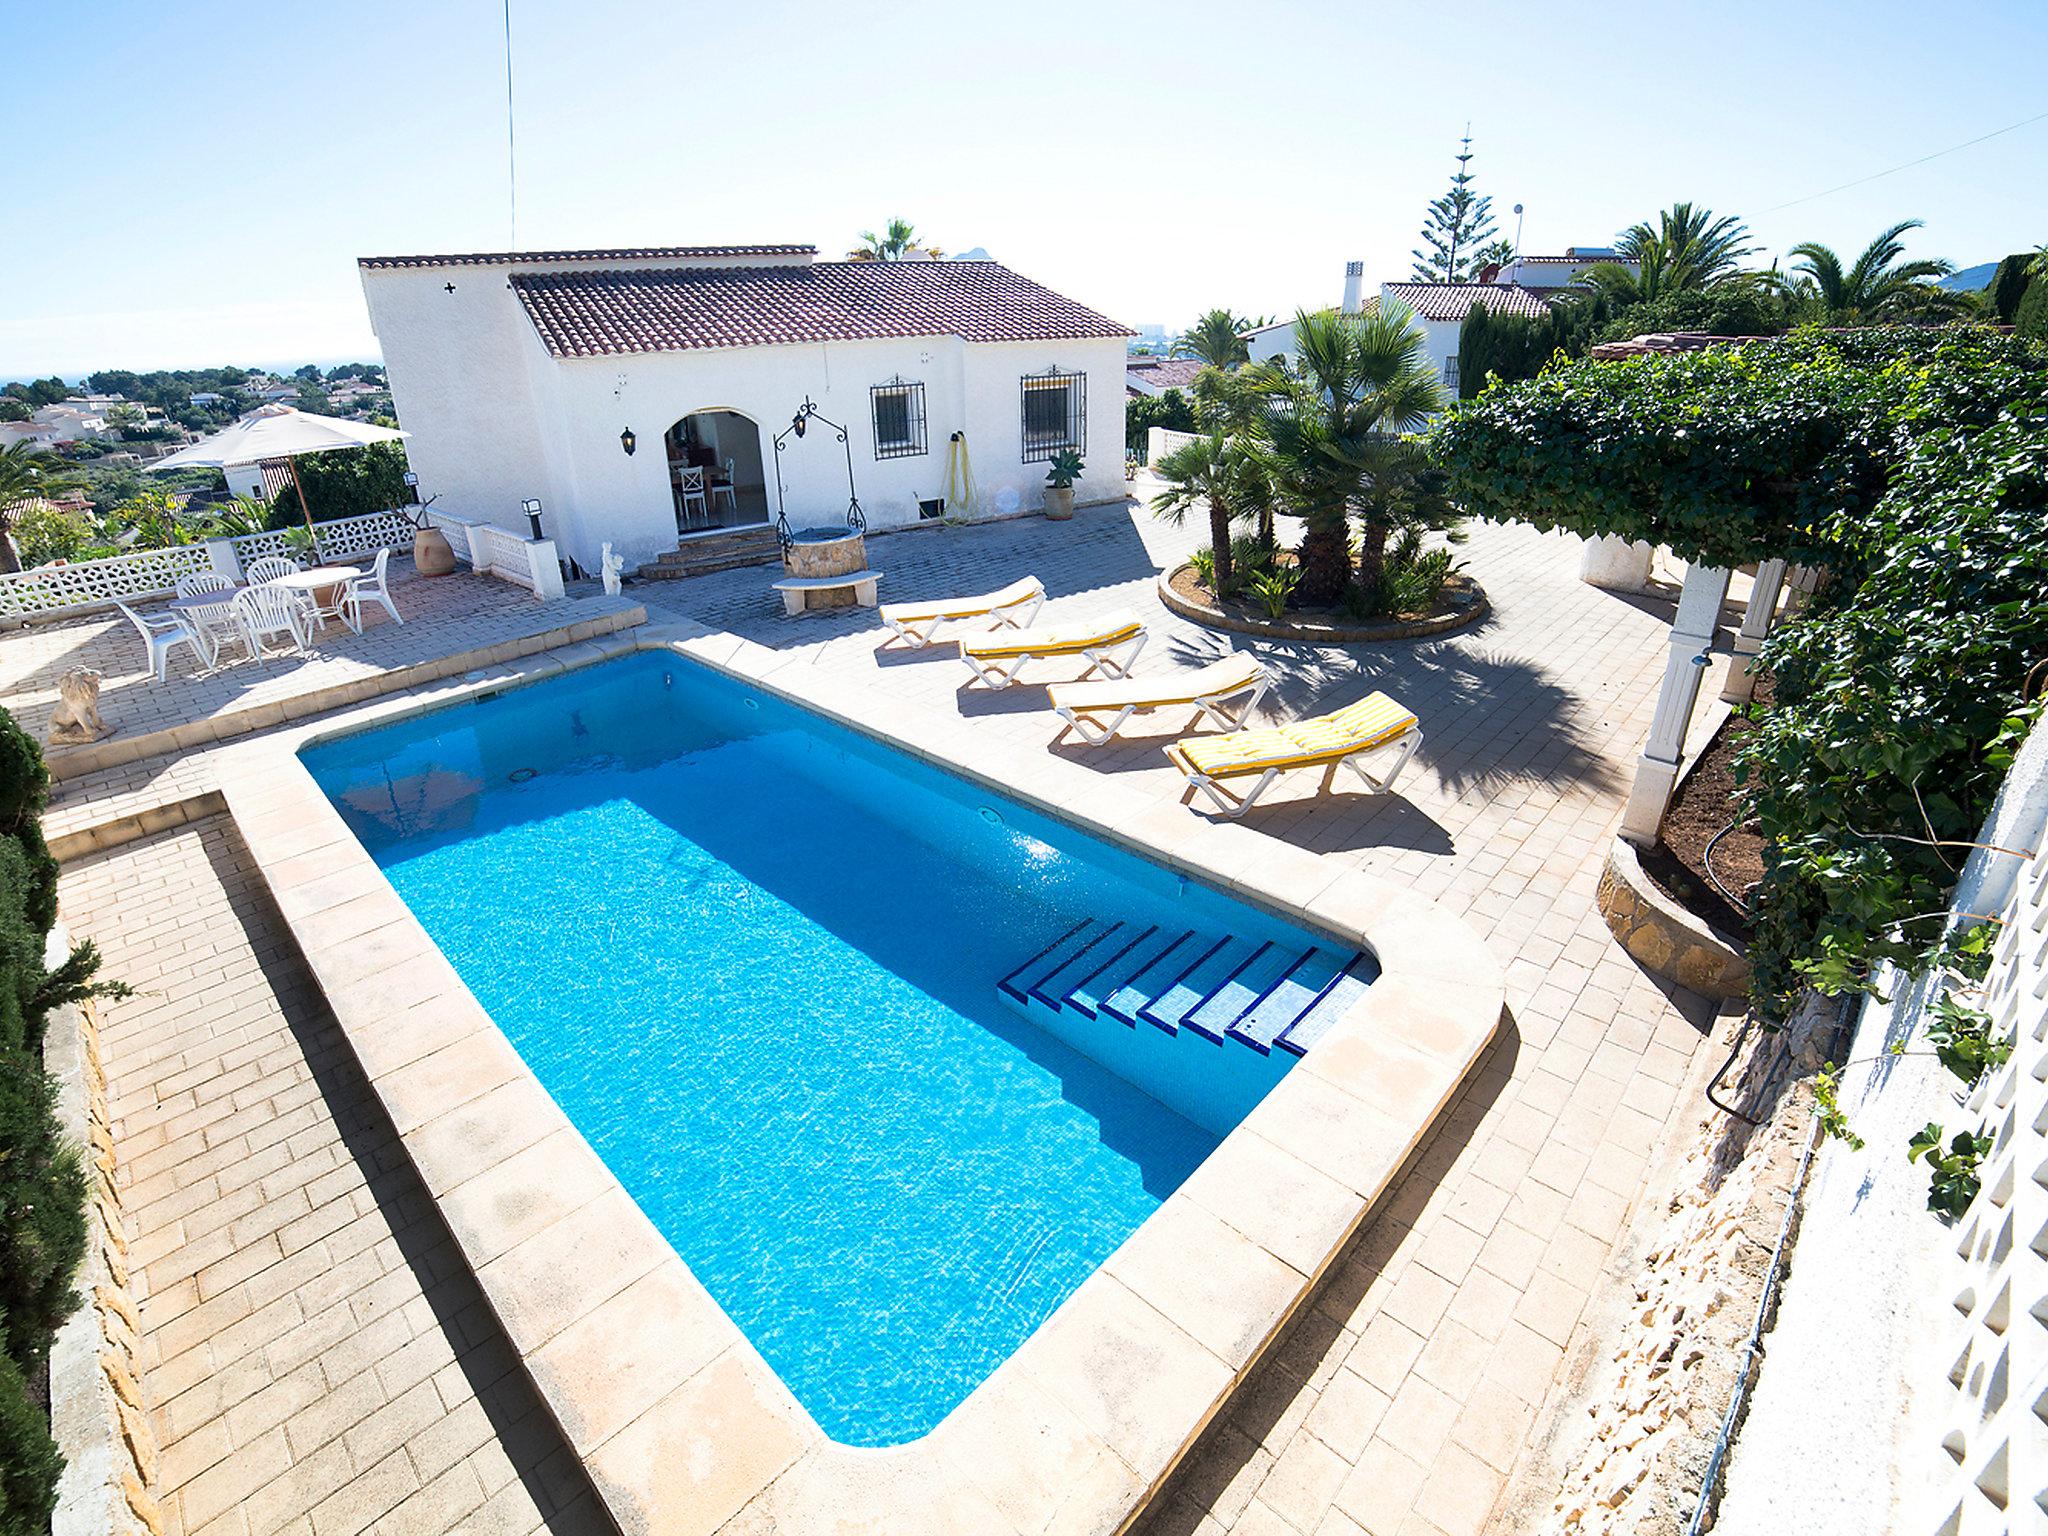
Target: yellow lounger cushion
point(963, 607)
point(1371, 722)
point(1232, 674)
point(1057, 639)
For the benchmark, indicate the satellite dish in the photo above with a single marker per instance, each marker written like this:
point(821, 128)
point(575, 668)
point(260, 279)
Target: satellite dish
point(1007, 500)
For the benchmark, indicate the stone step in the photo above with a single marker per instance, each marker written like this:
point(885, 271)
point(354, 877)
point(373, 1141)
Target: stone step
point(716, 552)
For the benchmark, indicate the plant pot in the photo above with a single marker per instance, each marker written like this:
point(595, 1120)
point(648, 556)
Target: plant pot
point(431, 555)
point(1616, 564)
point(1059, 502)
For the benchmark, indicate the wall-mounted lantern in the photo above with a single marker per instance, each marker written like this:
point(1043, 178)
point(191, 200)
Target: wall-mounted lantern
point(628, 441)
point(531, 507)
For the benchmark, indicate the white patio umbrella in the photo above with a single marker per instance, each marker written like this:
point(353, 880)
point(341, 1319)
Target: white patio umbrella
point(277, 432)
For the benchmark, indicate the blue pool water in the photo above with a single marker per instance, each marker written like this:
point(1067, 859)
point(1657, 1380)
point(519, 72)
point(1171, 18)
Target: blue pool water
point(754, 958)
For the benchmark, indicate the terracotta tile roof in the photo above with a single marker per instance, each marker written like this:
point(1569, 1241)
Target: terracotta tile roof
point(595, 314)
point(617, 253)
point(1166, 372)
point(1453, 301)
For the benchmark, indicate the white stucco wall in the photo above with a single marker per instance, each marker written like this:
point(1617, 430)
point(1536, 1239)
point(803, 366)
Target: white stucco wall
point(495, 419)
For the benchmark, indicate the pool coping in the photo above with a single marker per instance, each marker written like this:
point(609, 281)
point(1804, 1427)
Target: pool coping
point(680, 1423)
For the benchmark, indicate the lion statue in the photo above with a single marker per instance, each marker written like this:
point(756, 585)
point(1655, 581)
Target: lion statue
point(76, 718)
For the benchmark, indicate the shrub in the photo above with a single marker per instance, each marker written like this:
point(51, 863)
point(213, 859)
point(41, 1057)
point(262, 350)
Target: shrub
point(1170, 409)
point(1273, 588)
point(29, 1462)
point(2030, 316)
point(45, 532)
point(351, 484)
point(2008, 286)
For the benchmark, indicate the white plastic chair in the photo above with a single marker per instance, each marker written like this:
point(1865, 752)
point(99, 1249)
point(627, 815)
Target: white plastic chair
point(270, 567)
point(203, 581)
point(373, 588)
point(266, 612)
point(159, 635)
point(692, 483)
point(725, 489)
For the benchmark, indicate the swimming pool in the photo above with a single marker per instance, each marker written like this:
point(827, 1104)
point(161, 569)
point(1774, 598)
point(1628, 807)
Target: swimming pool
point(893, 1063)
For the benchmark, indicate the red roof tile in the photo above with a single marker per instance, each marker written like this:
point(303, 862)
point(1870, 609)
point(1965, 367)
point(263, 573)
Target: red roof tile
point(1166, 372)
point(618, 253)
point(1452, 301)
point(595, 314)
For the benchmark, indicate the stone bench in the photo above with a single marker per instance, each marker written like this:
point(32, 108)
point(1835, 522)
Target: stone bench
point(794, 588)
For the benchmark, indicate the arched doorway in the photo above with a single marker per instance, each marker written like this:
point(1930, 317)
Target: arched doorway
point(715, 472)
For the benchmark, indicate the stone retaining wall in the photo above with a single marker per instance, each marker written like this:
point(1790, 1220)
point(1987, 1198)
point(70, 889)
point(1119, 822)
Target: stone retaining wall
point(1662, 936)
point(99, 1412)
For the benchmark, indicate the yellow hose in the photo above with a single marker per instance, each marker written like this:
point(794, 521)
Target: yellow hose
point(960, 493)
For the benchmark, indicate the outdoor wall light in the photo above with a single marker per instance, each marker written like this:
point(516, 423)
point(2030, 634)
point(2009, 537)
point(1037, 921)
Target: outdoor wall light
point(531, 507)
point(412, 485)
point(628, 441)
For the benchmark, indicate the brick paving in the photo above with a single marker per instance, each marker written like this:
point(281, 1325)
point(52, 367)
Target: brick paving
point(1397, 1404)
point(318, 1358)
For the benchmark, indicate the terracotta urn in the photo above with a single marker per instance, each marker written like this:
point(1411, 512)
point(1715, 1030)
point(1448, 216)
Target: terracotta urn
point(431, 555)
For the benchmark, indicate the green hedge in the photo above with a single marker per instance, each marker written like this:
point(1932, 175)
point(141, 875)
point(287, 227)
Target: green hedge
point(42, 1182)
point(1913, 465)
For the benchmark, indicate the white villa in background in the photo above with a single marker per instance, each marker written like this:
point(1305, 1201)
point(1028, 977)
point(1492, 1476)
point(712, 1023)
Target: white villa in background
point(1526, 286)
point(82, 418)
point(600, 382)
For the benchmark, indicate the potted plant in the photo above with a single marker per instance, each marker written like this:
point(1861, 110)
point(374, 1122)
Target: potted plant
point(1060, 476)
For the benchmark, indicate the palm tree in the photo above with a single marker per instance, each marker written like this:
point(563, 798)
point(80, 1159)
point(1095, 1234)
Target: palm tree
point(1689, 249)
point(28, 474)
point(1877, 285)
point(1216, 339)
point(894, 241)
point(1225, 470)
point(1363, 380)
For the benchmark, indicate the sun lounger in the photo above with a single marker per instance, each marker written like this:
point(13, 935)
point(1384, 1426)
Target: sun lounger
point(1016, 606)
point(1097, 711)
point(1374, 727)
point(1111, 643)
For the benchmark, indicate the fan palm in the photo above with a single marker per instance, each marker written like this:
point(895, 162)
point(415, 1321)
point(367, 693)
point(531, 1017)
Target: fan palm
point(897, 238)
point(1877, 285)
point(28, 473)
point(1689, 249)
point(1216, 340)
point(1225, 470)
point(1362, 381)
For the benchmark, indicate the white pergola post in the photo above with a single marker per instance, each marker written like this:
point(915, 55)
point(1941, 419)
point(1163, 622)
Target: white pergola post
point(1740, 681)
point(1692, 638)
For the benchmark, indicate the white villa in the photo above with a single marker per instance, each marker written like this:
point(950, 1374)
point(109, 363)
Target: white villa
point(638, 394)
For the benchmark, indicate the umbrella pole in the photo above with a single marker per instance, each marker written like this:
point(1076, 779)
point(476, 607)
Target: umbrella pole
point(305, 507)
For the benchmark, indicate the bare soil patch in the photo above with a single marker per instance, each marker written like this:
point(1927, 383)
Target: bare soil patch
point(1703, 807)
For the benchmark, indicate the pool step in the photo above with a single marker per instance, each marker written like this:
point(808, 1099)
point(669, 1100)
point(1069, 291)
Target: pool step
point(1222, 987)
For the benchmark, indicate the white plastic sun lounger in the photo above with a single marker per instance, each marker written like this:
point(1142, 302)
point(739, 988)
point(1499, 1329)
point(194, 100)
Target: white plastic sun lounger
point(1111, 643)
point(1015, 606)
point(1097, 711)
point(1374, 727)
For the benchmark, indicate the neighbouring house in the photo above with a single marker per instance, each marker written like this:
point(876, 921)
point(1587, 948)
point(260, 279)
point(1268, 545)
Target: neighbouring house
point(205, 397)
point(1156, 375)
point(607, 383)
point(1527, 288)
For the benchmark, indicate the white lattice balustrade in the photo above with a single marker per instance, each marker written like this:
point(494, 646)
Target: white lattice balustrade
point(85, 583)
point(1998, 1433)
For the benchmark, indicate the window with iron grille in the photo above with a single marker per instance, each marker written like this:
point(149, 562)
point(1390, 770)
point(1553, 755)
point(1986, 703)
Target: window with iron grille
point(898, 412)
point(1451, 374)
point(1053, 413)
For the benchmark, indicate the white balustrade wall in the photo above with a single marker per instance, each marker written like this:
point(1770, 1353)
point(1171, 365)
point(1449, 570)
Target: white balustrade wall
point(61, 590)
point(1997, 1429)
point(1160, 441)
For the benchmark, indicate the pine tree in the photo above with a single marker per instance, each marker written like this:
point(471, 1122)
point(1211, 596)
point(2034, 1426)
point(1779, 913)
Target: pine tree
point(1460, 223)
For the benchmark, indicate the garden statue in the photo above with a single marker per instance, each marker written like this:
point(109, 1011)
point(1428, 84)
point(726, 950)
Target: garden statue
point(76, 719)
point(612, 564)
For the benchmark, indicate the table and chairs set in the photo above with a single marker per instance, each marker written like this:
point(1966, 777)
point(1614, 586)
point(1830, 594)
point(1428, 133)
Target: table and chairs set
point(283, 605)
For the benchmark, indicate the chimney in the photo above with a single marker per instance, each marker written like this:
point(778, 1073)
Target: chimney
point(1354, 277)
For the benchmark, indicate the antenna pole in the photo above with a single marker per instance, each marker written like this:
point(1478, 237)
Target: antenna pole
point(511, 146)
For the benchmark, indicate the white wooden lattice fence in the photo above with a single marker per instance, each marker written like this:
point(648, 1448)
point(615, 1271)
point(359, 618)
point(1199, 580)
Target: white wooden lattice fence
point(1998, 1431)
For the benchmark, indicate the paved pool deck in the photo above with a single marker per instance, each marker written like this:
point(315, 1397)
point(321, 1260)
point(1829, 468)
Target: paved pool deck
point(1402, 1400)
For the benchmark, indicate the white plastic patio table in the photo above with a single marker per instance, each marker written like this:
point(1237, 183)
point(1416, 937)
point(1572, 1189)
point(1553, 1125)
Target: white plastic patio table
point(327, 585)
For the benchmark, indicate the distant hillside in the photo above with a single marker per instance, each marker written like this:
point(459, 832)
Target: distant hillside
point(1970, 279)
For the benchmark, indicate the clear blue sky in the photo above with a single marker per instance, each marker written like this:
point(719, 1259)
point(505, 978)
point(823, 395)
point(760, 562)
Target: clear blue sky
point(191, 183)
